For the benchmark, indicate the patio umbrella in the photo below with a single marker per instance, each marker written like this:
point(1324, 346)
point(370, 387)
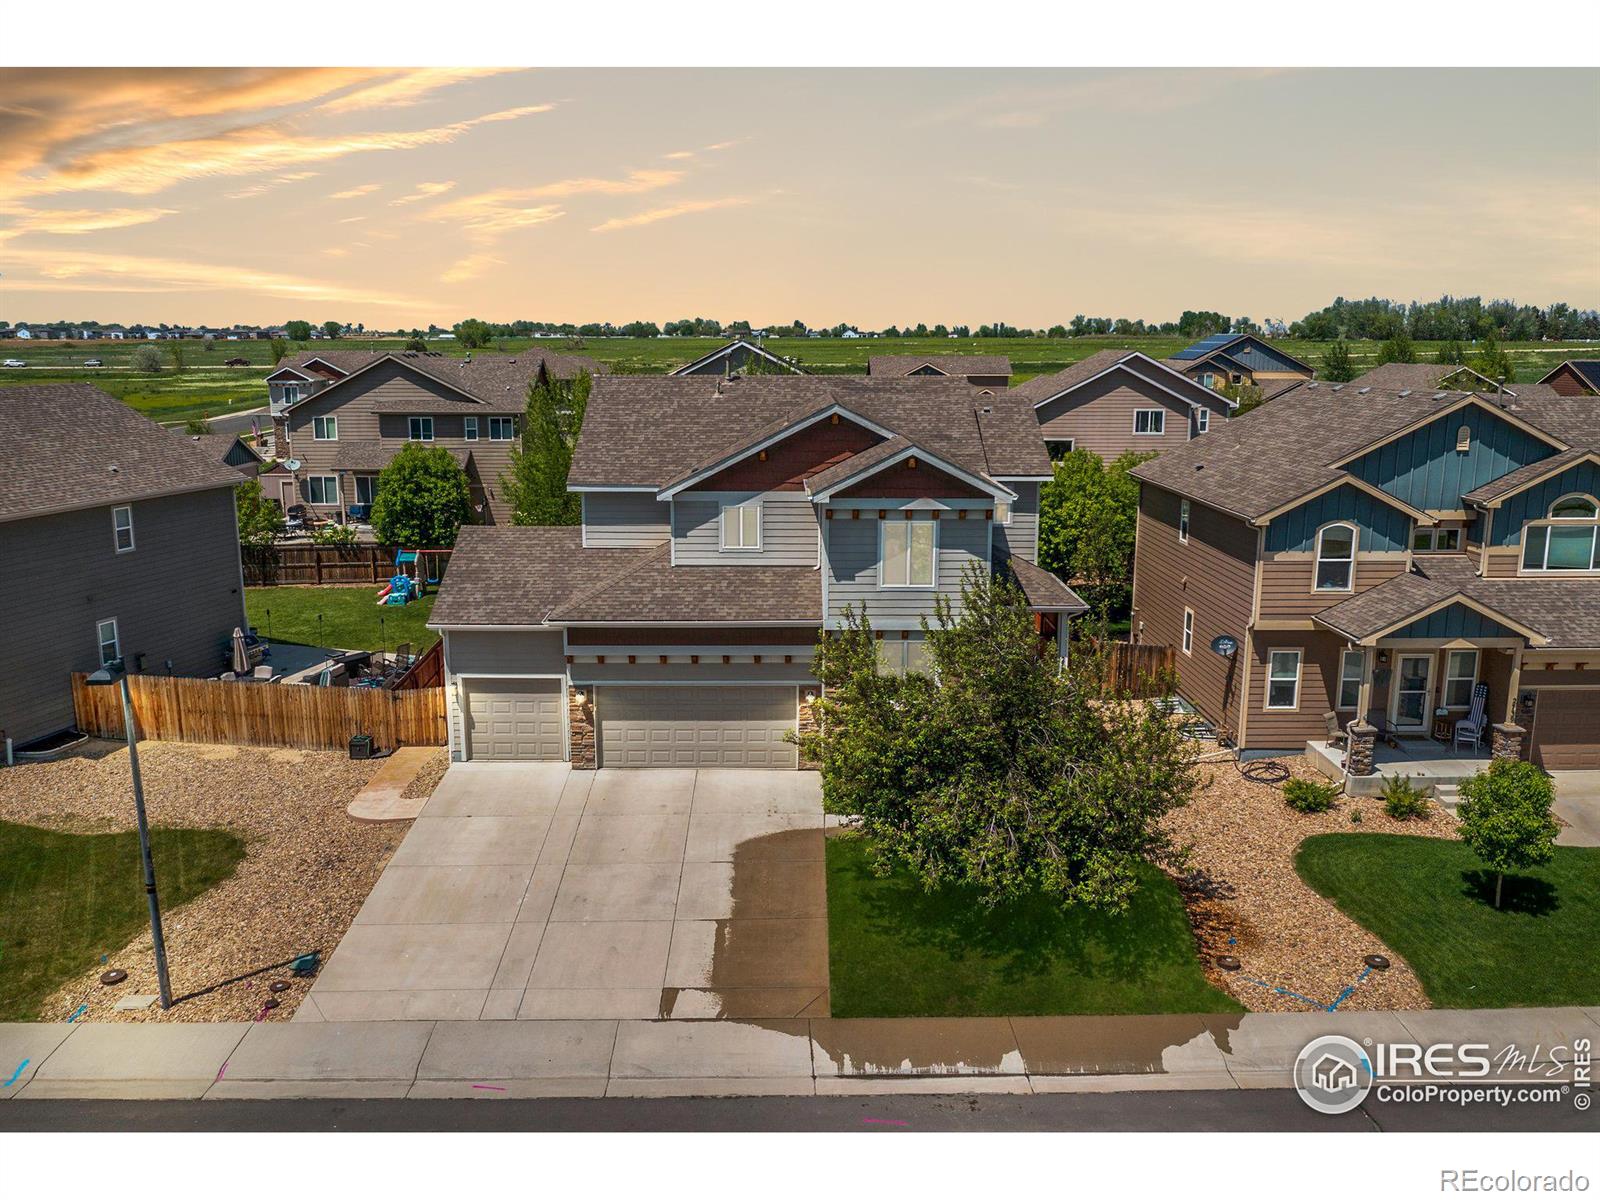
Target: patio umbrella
point(241, 654)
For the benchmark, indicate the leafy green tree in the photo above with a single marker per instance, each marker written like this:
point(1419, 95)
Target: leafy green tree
point(279, 349)
point(147, 360)
point(260, 520)
point(416, 343)
point(1087, 517)
point(472, 334)
point(1245, 395)
point(536, 483)
point(1492, 360)
point(1505, 818)
point(1399, 348)
point(298, 331)
point(332, 328)
point(208, 343)
point(175, 352)
point(422, 498)
point(1451, 353)
point(1336, 365)
point(994, 768)
point(196, 425)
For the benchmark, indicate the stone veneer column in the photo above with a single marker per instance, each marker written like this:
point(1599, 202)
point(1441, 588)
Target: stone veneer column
point(1358, 757)
point(580, 730)
point(1507, 741)
point(808, 724)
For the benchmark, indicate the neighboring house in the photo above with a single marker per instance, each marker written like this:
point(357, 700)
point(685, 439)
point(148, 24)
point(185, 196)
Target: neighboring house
point(738, 356)
point(726, 523)
point(1575, 377)
point(980, 370)
point(120, 540)
point(231, 450)
point(342, 415)
point(1376, 554)
point(1115, 401)
point(1422, 377)
point(1240, 358)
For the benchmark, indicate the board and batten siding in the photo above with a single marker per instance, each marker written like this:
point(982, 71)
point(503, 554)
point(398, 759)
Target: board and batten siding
point(788, 530)
point(1021, 537)
point(1425, 469)
point(1534, 503)
point(494, 652)
point(175, 596)
point(619, 520)
point(852, 565)
point(1098, 416)
point(1381, 526)
point(1287, 582)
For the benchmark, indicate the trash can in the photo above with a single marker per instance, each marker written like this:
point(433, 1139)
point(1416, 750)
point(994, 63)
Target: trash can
point(361, 746)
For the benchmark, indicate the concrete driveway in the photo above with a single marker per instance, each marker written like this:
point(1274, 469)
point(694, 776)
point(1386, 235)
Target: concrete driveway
point(528, 890)
point(1578, 804)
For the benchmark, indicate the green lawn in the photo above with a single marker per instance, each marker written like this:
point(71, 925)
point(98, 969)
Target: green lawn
point(897, 951)
point(68, 899)
point(351, 617)
point(1433, 901)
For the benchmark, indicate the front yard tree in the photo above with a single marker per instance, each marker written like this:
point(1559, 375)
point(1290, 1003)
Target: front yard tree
point(1087, 517)
point(995, 769)
point(1492, 361)
point(1506, 820)
point(422, 499)
point(536, 484)
point(260, 520)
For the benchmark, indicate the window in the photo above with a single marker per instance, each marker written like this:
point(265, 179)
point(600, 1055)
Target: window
point(1568, 541)
point(1188, 631)
point(908, 553)
point(323, 489)
point(898, 655)
point(105, 632)
point(1002, 512)
point(1573, 508)
point(325, 429)
point(366, 488)
point(291, 393)
point(1058, 449)
point(1150, 420)
point(1460, 673)
point(1183, 521)
point(1207, 379)
point(469, 428)
point(1283, 679)
point(1336, 556)
point(1426, 539)
point(1202, 420)
point(1464, 439)
point(421, 429)
point(1351, 667)
point(741, 527)
point(502, 429)
point(122, 528)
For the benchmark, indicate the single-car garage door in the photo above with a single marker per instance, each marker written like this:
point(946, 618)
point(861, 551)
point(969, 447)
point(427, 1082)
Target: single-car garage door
point(1566, 729)
point(696, 726)
point(514, 719)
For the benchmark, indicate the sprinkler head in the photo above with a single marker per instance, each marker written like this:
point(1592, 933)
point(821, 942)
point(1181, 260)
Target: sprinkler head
point(112, 977)
point(1228, 962)
point(1377, 962)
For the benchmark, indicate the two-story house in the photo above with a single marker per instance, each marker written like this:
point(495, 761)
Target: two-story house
point(1240, 358)
point(980, 370)
point(726, 523)
point(1377, 554)
point(121, 542)
point(1115, 401)
point(342, 415)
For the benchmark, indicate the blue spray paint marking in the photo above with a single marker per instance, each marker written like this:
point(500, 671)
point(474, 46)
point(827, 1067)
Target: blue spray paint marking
point(1350, 990)
point(1282, 991)
point(17, 1074)
point(81, 1009)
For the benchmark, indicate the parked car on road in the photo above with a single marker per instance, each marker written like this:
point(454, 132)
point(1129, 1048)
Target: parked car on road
point(237, 362)
point(15, 362)
point(93, 362)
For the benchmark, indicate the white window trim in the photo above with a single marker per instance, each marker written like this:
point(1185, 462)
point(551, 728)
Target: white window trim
point(1161, 418)
point(1444, 686)
point(469, 428)
point(908, 586)
point(116, 530)
point(1360, 678)
point(1299, 670)
point(372, 488)
point(722, 527)
point(290, 393)
point(1202, 421)
point(1070, 443)
point(413, 423)
point(116, 639)
point(1546, 572)
point(1549, 513)
point(1009, 511)
point(1316, 557)
point(509, 423)
point(326, 423)
point(1208, 379)
point(1185, 510)
point(338, 491)
point(1188, 631)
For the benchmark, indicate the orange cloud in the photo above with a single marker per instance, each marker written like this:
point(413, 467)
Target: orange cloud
point(651, 216)
point(365, 189)
point(407, 88)
point(426, 191)
point(21, 220)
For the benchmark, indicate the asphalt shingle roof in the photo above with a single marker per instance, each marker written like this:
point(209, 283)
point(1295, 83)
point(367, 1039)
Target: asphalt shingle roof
point(496, 379)
point(1516, 480)
point(649, 588)
point(1394, 377)
point(1045, 387)
point(514, 574)
point(1043, 589)
point(893, 365)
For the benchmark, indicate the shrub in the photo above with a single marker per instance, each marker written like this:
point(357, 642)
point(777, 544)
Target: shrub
point(1403, 800)
point(1308, 796)
point(1505, 817)
point(334, 535)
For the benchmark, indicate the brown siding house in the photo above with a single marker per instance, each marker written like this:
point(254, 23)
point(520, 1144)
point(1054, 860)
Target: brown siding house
point(980, 370)
point(1575, 377)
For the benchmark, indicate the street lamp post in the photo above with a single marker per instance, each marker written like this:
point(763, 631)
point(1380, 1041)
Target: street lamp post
point(116, 672)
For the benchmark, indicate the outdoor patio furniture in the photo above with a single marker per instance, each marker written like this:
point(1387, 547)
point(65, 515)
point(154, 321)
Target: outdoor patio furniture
point(1336, 735)
point(263, 672)
point(1471, 729)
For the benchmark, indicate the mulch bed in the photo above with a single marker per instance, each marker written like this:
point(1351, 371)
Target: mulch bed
point(307, 869)
point(1245, 898)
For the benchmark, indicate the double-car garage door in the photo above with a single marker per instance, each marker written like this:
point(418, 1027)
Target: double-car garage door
point(1566, 729)
point(691, 726)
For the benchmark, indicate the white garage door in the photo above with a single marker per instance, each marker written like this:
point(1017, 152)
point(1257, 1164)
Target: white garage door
point(514, 719)
point(696, 726)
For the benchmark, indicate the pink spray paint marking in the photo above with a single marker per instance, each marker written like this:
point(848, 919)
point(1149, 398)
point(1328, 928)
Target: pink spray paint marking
point(488, 1087)
point(883, 1121)
point(220, 1070)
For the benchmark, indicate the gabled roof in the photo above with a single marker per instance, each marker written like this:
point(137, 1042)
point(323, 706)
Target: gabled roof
point(375, 455)
point(1042, 389)
point(824, 484)
point(498, 380)
point(723, 352)
point(1493, 493)
point(1422, 377)
point(648, 588)
point(514, 575)
point(70, 446)
point(946, 364)
point(1221, 342)
point(1043, 590)
point(1586, 369)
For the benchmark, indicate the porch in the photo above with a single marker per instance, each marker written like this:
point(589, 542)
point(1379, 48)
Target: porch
point(1428, 764)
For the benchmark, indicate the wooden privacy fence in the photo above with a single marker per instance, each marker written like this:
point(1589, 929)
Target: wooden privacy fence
point(172, 709)
point(1136, 667)
point(269, 566)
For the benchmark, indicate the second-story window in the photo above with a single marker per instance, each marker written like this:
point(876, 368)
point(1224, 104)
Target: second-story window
point(1002, 512)
point(1183, 521)
point(1336, 558)
point(325, 429)
point(1151, 421)
point(122, 528)
point(1568, 541)
point(909, 553)
point(502, 429)
point(421, 429)
point(1202, 420)
point(741, 527)
point(469, 428)
point(291, 393)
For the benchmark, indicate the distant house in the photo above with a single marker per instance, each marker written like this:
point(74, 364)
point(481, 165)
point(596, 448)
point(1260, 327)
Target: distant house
point(850, 333)
point(125, 537)
point(980, 370)
point(1240, 359)
point(231, 450)
point(22, 331)
point(1575, 377)
point(1421, 377)
point(735, 358)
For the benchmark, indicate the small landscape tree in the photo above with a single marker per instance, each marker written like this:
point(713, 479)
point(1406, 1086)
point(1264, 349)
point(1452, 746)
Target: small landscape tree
point(1398, 349)
point(196, 425)
point(416, 343)
point(1492, 360)
point(536, 483)
point(1336, 364)
point(260, 520)
point(146, 360)
point(1505, 818)
point(176, 353)
point(279, 348)
point(422, 498)
point(1087, 517)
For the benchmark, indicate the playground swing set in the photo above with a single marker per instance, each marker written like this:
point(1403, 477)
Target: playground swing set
point(415, 572)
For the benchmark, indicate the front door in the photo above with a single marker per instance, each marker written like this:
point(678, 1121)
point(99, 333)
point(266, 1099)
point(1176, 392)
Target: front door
point(1413, 687)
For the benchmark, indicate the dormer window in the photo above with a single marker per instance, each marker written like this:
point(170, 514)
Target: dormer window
point(1336, 558)
point(741, 526)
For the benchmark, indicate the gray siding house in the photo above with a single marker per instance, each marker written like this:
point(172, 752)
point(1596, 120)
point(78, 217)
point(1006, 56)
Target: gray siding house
point(726, 523)
point(121, 541)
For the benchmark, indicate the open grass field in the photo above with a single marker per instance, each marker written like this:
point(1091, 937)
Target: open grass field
point(1433, 901)
point(350, 618)
point(69, 898)
point(206, 387)
point(895, 950)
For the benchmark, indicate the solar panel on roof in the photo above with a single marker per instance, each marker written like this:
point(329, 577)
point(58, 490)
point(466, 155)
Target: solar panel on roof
point(1208, 344)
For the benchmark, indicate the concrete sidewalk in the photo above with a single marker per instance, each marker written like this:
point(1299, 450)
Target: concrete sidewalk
point(526, 1059)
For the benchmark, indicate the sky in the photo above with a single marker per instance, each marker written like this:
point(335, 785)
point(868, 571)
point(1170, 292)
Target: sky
point(396, 198)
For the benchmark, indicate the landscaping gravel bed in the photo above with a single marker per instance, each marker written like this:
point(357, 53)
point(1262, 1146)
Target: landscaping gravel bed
point(1245, 898)
point(307, 869)
point(425, 780)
